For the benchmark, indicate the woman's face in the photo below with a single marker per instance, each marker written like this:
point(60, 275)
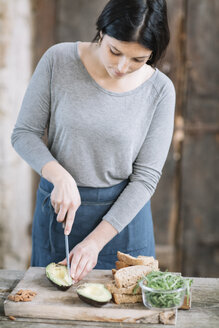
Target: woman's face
point(121, 58)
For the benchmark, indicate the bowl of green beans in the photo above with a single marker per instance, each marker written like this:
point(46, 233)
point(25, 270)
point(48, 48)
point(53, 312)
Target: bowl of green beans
point(164, 290)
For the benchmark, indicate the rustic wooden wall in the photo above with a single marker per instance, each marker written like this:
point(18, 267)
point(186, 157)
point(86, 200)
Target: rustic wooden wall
point(200, 156)
point(191, 227)
point(166, 200)
point(185, 207)
point(44, 36)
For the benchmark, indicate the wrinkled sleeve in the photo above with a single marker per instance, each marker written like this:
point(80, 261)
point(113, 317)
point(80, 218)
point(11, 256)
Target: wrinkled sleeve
point(34, 116)
point(147, 168)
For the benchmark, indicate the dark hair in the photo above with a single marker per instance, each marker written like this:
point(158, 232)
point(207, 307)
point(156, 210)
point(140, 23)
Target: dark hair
point(142, 21)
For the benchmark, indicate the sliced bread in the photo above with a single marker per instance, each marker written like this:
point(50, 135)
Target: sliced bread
point(128, 290)
point(129, 276)
point(131, 260)
point(120, 265)
point(113, 272)
point(123, 298)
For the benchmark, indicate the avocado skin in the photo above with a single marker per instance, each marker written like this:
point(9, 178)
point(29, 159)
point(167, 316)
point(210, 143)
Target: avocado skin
point(63, 288)
point(90, 301)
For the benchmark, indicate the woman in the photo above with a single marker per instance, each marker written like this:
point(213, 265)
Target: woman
point(109, 114)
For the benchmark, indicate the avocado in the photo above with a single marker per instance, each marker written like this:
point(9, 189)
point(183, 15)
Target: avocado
point(58, 275)
point(94, 294)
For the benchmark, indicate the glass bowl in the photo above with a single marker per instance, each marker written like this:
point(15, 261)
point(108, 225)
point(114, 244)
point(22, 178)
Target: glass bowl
point(156, 299)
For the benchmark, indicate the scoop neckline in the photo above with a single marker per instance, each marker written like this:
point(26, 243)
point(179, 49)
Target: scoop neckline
point(98, 86)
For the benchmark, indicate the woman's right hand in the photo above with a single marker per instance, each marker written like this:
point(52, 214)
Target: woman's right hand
point(65, 197)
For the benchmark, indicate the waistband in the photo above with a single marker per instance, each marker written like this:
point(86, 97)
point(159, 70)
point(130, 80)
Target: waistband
point(91, 194)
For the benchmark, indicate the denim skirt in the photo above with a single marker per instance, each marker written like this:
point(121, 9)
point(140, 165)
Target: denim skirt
point(48, 243)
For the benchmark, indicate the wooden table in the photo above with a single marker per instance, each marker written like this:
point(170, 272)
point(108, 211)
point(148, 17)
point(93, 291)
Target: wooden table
point(204, 312)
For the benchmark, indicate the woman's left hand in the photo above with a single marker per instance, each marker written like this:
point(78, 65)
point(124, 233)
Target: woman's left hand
point(83, 258)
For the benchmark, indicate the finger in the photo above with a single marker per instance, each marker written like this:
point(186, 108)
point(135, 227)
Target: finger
point(74, 263)
point(56, 208)
point(81, 267)
point(61, 214)
point(86, 270)
point(69, 221)
point(52, 203)
point(63, 262)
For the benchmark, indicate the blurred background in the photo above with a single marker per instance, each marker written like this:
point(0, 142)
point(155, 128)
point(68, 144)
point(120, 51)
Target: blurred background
point(185, 205)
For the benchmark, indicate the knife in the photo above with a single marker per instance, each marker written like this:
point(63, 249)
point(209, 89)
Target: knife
point(67, 251)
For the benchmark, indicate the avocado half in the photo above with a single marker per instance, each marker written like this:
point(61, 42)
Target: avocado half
point(58, 275)
point(94, 294)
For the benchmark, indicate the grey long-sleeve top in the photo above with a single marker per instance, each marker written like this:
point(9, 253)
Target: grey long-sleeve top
point(100, 137)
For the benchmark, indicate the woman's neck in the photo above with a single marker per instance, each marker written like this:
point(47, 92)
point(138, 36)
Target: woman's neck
point(90, 56)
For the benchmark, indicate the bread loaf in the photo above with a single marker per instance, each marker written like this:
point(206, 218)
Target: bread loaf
point(129, 270)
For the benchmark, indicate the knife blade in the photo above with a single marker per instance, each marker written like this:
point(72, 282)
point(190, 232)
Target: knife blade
point(67, 251)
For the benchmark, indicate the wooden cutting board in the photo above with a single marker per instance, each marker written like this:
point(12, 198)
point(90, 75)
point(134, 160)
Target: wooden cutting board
point(52, 303)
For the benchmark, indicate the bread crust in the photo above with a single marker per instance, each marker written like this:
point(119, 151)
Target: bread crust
point(113, 272)
point(120, 265)
point(131, 260)
point(123, 298)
